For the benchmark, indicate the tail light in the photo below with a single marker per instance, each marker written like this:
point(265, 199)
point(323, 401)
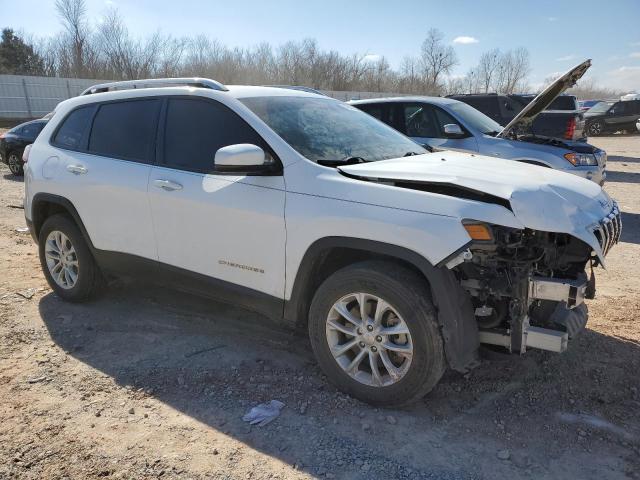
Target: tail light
point(1, 135)
point(25, 154)
point(571, 129)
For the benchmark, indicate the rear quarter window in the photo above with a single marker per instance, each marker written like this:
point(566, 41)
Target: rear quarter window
point(71, 132)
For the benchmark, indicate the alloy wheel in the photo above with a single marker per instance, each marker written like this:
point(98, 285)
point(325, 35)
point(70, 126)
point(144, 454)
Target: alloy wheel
point(62, 259)
point(369, 339)
point(595, 128)
point(14, 163)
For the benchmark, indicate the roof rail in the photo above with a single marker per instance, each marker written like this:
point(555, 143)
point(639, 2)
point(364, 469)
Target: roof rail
point(300, 88)
point(154, 83)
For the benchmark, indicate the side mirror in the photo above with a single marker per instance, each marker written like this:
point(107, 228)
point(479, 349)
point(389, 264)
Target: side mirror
point(239, 156)
point(453, 130)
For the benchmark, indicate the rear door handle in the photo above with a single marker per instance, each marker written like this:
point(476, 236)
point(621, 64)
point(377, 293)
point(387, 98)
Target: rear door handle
point(77, 169)
point(167, 185)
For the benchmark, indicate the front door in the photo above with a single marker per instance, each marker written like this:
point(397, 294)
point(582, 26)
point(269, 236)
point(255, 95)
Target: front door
point(226, 227)
point(424, 123)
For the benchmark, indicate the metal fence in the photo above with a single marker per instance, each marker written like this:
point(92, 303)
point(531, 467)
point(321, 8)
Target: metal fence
point(24, 97)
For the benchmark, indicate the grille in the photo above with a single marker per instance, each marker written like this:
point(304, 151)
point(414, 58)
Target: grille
point(609, 229)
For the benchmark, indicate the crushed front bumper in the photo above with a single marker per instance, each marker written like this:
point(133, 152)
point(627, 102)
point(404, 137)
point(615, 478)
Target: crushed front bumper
point(570, 315)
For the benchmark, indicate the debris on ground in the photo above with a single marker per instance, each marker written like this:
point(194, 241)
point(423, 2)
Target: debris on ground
point(264, 413)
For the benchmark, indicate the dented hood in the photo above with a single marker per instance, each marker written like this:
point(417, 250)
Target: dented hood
point(540, 198)
point(544, 98)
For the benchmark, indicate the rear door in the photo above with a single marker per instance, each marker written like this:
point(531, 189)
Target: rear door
point(102, 164)
point(228, 227)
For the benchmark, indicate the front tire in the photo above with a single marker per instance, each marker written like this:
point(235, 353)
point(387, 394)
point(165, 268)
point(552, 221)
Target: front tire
point(66, 260)
point(374, 332)
point(15, 164)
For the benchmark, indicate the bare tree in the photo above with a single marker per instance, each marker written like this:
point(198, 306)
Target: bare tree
point(514, 69)
point(488, 70)
point(73, 14)
point(436, 59)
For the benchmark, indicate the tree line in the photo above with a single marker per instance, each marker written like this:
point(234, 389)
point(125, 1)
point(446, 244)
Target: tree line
point(109, 51)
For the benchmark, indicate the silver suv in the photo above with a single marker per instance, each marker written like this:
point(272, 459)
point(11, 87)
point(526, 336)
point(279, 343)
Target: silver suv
point(447, 124)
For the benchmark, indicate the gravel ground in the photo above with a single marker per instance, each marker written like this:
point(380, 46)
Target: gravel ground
point(148, 383)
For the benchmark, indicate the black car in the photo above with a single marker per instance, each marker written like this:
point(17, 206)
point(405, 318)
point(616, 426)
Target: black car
point(561, 119)
point(607, 117)
point(12, 143)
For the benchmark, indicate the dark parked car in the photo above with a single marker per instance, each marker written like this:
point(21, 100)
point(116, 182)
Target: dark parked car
point(12, 143)
point(608, 117)
point(561, 119)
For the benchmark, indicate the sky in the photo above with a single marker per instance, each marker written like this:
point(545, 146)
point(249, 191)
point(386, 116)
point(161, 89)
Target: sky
point(558, 34)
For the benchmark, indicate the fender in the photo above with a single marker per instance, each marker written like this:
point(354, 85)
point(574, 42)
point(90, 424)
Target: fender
point(37, 215)
point(453, 305)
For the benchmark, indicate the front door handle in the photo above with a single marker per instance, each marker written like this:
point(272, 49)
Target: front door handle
point(77, 169)
point(167, 185)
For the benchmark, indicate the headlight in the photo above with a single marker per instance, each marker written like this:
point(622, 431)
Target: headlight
point(581, 159)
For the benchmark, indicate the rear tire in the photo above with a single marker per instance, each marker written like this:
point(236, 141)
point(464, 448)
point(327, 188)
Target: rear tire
point(404, 300)
point(67, 262)
point(15, 164)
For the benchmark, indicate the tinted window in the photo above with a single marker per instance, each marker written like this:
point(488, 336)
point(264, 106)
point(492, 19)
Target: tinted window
point(621, 108)
point(125, 130)
point(373, 110)
point(71, 132)
point(31, 130)
point(196, 129)
point(420, 121)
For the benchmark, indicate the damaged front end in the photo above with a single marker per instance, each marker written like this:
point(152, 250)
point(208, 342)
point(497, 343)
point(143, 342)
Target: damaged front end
point(528, 287)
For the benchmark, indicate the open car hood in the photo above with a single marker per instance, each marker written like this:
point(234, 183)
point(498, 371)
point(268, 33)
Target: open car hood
point(540, 198)
point(544, 98)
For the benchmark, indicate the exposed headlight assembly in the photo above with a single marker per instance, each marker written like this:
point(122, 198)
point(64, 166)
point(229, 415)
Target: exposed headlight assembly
point(581, 159)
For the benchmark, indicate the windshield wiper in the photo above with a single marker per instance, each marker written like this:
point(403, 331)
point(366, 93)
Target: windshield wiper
point(411, 154)
point(344, 161)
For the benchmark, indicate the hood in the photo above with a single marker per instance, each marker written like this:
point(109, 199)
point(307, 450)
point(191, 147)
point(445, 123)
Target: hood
point(544, 98)
point(540, 198)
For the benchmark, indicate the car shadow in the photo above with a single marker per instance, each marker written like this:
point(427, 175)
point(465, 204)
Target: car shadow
point(623, 177)
point(630, 228)
point(13, 178)
point(622, 159)
point(213, 362)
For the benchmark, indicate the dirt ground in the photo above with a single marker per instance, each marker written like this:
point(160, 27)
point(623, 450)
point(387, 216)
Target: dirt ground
point(148, 383)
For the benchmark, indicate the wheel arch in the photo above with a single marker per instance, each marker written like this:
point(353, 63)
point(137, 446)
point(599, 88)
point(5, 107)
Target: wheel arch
point(454, 310)
point(45, 205)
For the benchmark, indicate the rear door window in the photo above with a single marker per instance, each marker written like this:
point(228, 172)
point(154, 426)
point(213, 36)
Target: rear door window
point(125, 130)
point(196, 129)
point(71, 133)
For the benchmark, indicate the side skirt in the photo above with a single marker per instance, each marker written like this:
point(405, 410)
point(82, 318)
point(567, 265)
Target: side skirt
point(157, 273)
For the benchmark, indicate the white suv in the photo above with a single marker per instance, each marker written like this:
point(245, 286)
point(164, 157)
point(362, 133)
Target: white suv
point(398, 261)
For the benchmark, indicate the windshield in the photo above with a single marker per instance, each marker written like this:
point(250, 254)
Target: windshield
point(331, 132)
point(475, 119)
point(600, 107)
